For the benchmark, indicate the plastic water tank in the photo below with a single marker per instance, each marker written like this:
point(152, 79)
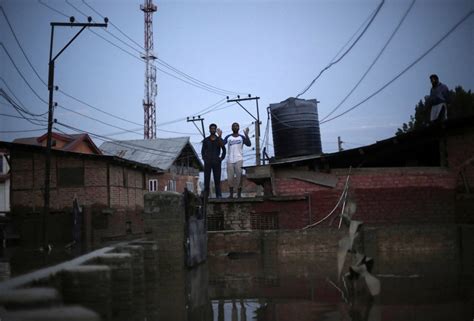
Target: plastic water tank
point(295, 128)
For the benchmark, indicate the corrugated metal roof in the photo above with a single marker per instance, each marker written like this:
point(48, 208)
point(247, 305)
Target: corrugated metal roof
point(35, 148)
point(158, 152)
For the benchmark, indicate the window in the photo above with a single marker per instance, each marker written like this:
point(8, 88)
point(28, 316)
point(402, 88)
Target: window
point(171, 186)
point(1, 164)
point(190, 186)
point(68, 177)
point(153, 185)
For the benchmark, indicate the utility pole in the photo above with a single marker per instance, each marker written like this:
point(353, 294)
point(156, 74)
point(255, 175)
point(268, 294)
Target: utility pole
point(195, 119)
point(339, 143)
point(149, 104)
point(257, 122)
point(51, 88)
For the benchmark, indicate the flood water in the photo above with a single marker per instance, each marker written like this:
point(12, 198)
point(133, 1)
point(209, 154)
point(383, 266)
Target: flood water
point(254, 288)
point(271, 288)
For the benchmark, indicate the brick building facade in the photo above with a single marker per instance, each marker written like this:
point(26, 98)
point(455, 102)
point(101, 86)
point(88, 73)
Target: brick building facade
point(419, 177)
point(109, 189)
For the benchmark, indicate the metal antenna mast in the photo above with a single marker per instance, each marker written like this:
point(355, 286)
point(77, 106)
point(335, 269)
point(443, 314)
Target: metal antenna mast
point(149, 108)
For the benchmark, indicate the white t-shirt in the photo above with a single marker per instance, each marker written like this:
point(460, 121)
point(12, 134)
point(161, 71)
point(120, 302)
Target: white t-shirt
point(234, 148)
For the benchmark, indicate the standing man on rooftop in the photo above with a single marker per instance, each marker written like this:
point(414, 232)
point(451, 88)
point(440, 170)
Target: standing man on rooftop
point(438, 99)
point(213, 153)
point(235, 158)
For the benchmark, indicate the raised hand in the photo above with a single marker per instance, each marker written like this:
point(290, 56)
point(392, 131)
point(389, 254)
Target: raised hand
point(219, 132)
point(246, 131)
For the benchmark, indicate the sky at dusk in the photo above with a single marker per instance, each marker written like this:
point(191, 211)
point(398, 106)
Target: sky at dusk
point(269, 49)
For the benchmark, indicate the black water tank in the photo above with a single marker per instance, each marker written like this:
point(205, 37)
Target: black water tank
point(295, 128)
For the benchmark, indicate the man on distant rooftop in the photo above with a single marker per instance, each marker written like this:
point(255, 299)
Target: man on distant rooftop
point(235, 158)
point(438, 99)
point(213, 152)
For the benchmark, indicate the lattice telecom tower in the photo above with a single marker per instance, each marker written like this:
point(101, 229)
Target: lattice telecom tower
point(149, 109)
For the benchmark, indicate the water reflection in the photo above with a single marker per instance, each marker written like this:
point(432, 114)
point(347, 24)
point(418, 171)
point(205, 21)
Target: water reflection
point(251, 288)
point(236, 309)
point(272, 287)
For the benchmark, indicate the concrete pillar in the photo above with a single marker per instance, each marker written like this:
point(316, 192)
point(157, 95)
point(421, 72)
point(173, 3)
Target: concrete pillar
point(151, 261)
point(138, 279)
point(90, 286)
point(64, 313)
point(29, 298)
point(120, 265)
point(164, 217)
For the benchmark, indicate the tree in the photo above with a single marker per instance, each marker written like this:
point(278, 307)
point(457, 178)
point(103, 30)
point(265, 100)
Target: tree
point(462, 105)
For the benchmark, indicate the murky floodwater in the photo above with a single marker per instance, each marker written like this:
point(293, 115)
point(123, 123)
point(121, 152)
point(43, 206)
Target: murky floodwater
point(264, 288)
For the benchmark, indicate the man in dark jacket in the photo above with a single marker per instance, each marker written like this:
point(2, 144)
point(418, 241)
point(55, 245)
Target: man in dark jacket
point(438, 99)
point(213, 152)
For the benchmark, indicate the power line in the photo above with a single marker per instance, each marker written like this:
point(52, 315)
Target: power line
point(98, 109)
point(22, 117)
point(51, 8)
point(18, 101)
point(192, 81)
point(161, 61)
point(114, 126)
point(127, 144)
point(404, 70)
point(19, 45)
point(22, 131)
point(111, 23)
point(107, 31)
point(373, 62)
point(16, 105)
point(346, 52)
point(21, 74)
point(19, 109)
point(72, 97)
point(64, 93)
point(354, 34)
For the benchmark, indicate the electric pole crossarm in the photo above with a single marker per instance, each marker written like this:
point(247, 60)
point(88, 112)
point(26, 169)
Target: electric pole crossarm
point(246, 110)
point(257, 122)
point(194, 120)
point(67, 45)
point(242, 99)
point(78, 24)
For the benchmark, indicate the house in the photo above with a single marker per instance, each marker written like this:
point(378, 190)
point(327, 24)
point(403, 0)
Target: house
point(421, 177)
point(109, 190)
point(176, 157)
point(79, 143)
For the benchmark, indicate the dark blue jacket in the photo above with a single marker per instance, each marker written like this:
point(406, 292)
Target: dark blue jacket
point(211, 150)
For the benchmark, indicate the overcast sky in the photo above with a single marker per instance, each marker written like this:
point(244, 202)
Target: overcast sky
point(269, 49)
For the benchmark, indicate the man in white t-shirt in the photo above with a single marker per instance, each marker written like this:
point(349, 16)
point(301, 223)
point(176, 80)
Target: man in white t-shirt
point(235, 143)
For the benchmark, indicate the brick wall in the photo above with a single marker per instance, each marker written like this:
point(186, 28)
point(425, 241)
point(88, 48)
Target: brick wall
point(383, 195)
point(111, 196)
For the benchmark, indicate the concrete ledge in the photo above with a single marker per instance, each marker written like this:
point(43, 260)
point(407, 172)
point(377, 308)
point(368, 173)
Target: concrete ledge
point(257, 199)
point(70, 313)
point(29, 298)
